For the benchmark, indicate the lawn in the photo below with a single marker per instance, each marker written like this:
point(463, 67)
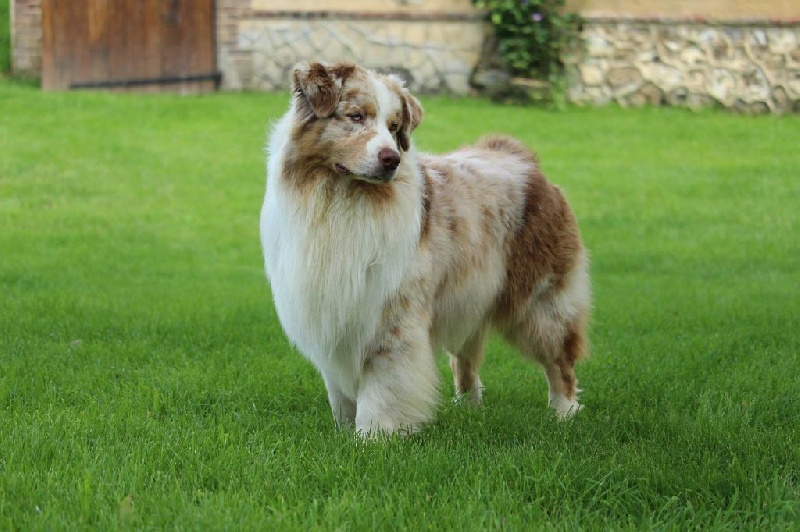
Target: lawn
point(140, 353)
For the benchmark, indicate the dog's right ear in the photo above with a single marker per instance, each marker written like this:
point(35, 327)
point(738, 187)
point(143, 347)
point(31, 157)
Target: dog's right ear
point(412, 111)
point(318, 87)
point(412, 116)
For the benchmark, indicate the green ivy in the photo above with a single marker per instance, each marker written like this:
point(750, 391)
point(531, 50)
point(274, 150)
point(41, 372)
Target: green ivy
point(532, 35)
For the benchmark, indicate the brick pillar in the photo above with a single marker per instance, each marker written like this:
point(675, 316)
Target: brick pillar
point(26, 37)
point(235, 64)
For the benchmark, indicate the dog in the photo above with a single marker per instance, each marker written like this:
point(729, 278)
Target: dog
point(379, 256)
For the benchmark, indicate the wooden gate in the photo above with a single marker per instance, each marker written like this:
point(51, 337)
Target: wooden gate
point(152, 45)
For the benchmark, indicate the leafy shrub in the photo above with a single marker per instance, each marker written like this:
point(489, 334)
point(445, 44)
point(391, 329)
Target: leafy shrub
point(532, 35)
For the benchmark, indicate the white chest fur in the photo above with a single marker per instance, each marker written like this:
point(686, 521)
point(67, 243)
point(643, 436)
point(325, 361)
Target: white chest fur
point(332, 262)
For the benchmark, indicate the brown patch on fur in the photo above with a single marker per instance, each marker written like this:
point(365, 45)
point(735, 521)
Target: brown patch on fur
point(305, 166)
point(568, 380)
point(467, 362)
point(342, 70)
point(573, 350)
point(561, 371)
point(427, 199)
point(352, 93)
point(378, 194)
point(546, 243)
point(320, 86)
point(354, 105)
point(575, 343)
point(465, 374)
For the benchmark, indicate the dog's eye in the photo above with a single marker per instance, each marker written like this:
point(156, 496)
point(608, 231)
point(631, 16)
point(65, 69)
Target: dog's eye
point(357, 118)
point(394, 127)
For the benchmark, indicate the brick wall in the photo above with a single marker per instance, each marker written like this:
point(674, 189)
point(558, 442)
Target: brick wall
point(26, 37)
point(233, 62)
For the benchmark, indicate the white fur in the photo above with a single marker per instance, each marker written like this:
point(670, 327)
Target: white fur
point(329, 291)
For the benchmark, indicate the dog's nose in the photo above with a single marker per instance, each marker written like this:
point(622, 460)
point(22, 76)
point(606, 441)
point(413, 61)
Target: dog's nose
point(389, 158)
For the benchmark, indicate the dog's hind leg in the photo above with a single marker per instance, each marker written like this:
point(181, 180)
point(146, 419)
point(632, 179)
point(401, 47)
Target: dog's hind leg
point(560, 371)
point(557, 344)
point(551, 328)
point(465, 366)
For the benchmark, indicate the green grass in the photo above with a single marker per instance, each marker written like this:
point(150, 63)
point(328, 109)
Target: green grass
point(5, 36)
point(139, 351)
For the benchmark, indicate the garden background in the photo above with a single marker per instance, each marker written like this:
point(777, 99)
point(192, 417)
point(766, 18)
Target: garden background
point(145, 381)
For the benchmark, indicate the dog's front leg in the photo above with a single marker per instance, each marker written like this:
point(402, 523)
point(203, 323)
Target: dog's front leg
point(343, 407)
point(399, 387)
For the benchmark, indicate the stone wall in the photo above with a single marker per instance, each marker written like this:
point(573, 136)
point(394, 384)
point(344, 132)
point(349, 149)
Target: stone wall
point(635, 52)
point(750, 66)
point(26, 37)
point(434, 52)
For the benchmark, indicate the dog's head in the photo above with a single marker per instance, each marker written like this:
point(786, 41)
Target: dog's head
point(355, 122)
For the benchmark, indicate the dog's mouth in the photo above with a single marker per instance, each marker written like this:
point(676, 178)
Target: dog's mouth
point(380, 178)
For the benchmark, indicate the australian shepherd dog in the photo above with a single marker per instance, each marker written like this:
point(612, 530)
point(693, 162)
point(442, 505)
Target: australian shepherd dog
point(379, 256)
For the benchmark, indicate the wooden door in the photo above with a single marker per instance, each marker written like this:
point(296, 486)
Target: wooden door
point(154, 45)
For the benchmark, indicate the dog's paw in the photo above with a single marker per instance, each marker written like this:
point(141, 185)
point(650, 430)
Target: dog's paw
point(565, 408)
point(569, 413)
point(472, 398)
point(378, 433)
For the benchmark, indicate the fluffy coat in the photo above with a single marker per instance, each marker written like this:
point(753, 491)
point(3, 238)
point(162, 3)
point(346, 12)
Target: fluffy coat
point(379, 256)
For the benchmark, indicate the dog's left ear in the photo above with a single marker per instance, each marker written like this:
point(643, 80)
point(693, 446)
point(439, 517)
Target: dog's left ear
point(412, 116)
point(412, 113)
point(319, 86)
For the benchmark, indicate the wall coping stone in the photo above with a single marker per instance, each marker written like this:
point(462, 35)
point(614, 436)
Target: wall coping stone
point(711, 21)
point(437, 16)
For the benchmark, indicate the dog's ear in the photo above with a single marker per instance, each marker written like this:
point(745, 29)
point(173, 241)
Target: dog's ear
point(318, 87)
point(412, 116)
